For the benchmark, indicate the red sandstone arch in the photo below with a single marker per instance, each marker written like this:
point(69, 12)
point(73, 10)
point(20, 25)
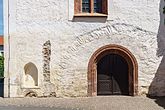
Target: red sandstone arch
point(116, 49)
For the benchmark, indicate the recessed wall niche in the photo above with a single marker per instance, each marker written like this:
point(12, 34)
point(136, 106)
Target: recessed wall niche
point(31, 75)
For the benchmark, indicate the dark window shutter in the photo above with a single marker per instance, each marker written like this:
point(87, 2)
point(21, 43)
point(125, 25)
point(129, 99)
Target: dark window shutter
point(77, 6)
point(104, 7)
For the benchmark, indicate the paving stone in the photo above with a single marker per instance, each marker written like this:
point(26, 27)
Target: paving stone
point(85, 103)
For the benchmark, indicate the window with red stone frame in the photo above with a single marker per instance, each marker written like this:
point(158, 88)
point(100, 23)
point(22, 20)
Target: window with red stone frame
point(90, 8)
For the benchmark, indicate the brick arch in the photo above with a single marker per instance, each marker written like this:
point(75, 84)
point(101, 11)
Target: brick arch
point(116, 49)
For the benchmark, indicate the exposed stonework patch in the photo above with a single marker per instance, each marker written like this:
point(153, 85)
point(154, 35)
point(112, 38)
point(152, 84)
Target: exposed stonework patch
point(46, 60)
point(30, 93)
point(48, 87)
point(144, 90)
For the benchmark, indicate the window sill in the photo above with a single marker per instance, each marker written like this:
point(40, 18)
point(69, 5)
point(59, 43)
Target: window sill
point(90, 15)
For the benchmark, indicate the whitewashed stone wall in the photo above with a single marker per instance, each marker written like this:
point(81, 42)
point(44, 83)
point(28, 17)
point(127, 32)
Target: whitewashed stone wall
point(134, 24)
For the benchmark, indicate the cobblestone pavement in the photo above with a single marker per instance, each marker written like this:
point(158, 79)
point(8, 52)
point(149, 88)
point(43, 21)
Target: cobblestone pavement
point(93, 103)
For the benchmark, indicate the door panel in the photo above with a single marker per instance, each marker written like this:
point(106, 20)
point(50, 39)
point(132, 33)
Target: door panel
point(104, 78)
point(104, 87)
point(112, 75)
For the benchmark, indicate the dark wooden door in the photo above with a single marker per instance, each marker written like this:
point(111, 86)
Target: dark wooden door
point(112, 75)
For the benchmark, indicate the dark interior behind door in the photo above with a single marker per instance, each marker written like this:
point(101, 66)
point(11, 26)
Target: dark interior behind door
point(112, 75)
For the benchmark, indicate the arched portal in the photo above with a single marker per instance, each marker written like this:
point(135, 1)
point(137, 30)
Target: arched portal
point(100, 73)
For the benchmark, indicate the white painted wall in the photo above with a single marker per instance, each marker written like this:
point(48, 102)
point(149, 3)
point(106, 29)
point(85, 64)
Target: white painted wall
point(133, 24)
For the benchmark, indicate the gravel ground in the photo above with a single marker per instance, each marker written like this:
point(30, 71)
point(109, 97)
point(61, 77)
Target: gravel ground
point(93, 103)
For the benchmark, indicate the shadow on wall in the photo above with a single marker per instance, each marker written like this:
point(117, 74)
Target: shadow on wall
point(90, 19)
point(31, 74)
point(157, 87)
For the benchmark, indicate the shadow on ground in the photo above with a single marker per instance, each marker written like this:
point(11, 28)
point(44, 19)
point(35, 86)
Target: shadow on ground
point(159, 100)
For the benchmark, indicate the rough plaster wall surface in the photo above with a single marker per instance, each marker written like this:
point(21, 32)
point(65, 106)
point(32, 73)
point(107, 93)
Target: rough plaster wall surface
point(134, 24)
